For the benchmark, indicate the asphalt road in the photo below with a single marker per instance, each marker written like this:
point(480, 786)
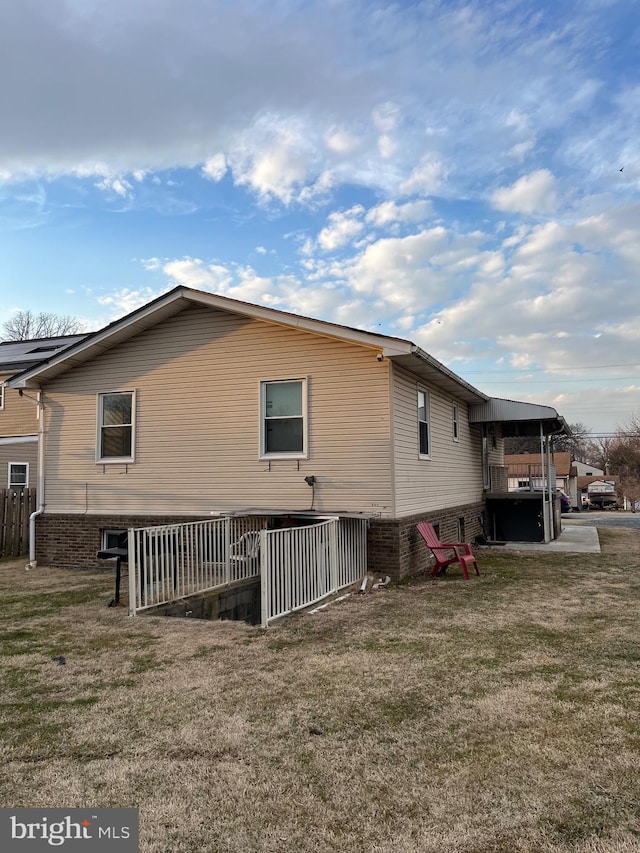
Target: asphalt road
point(610, 518)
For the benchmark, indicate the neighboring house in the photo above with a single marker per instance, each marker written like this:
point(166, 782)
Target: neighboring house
point(582, 474)
point(196, 405)
point(19, 414)
point(525, 470)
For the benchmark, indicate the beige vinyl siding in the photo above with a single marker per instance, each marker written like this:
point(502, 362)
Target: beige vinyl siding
point(24, 452)
point(197, 382)
point(453, 474)
point(19, 415)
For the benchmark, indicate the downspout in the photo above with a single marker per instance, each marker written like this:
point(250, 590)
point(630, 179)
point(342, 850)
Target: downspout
point(552, 530)
point(40, 488)
point(546, 494)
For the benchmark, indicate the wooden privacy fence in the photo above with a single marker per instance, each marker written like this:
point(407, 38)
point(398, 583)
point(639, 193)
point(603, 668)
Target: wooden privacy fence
point(16, 505)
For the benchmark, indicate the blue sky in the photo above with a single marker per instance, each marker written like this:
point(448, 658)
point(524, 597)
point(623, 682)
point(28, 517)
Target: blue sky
point(463, 174)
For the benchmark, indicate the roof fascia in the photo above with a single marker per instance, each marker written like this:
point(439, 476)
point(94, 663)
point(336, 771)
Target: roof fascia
point(98, 342)
point(174, 301)
point(438, 365)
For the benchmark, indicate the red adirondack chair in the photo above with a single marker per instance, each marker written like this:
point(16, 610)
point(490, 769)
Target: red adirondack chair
point(442, 552)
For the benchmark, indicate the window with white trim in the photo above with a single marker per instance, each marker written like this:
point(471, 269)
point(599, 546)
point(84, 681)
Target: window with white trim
point(1, 396)
point(116, 427)
point(455, 423)
point(424, 438)
point(283, 418)
point(18, 475)
point(112, 538)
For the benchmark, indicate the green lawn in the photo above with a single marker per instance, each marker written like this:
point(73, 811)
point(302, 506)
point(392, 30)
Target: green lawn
point(495, 715)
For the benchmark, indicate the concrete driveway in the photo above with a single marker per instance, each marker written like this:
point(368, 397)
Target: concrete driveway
point(610, 518)
point(574, 539)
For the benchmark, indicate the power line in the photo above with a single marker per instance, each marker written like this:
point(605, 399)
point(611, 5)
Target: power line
point(547, 369)
point(560, 381)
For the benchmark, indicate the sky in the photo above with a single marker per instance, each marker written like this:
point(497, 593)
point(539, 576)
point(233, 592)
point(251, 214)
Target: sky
point(462, 174)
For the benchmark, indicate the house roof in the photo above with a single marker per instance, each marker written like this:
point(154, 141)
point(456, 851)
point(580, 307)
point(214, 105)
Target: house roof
point(585, 481)
point(19, 355)
point(519, 419)
point(402, 352)
point(561, 461)
point(585, 469)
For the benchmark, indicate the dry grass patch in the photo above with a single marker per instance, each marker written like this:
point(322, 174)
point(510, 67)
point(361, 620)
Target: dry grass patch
point(495, 715)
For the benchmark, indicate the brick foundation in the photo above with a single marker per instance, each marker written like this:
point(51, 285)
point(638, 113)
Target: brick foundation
point(72, 541)
point(395, 548)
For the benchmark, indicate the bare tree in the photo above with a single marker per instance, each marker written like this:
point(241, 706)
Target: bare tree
point(26, 325)
point(576, 443)
point(598, 452)
point(625, 459)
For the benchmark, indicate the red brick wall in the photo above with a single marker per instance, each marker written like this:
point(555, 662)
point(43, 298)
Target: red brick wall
point(396, 549)
point(72, 541)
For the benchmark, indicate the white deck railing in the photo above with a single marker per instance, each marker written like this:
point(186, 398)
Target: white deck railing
point(298, 566)
point(175, 561)
point(303, 565)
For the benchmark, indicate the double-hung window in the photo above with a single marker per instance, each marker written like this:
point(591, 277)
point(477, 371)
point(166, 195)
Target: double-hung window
point(283, 418)
point(18, 475)
point(424, 438)
point(116, 427)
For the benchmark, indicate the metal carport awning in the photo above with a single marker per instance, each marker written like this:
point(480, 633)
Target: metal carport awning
point(518, 419)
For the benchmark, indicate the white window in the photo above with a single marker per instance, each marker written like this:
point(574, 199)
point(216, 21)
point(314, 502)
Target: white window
point(18, 475)
point(424, 439)
point(113, 539)
point(116, 427)
point(1, 396)
point(283, 418)
point(456, 425)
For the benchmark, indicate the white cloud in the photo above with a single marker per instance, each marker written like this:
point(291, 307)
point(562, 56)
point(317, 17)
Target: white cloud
point(215, 168)
point(125, 300)
point(119, 186)
point(342, 141)
point(342, 228)
point(426, 178)
point(534, 194)
point(193, 272)
point(365, 97)
point(520, 150)
point(389, 212)
point(275, 158)
point(387, 146)
point(398, 270)
point(386, 117)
